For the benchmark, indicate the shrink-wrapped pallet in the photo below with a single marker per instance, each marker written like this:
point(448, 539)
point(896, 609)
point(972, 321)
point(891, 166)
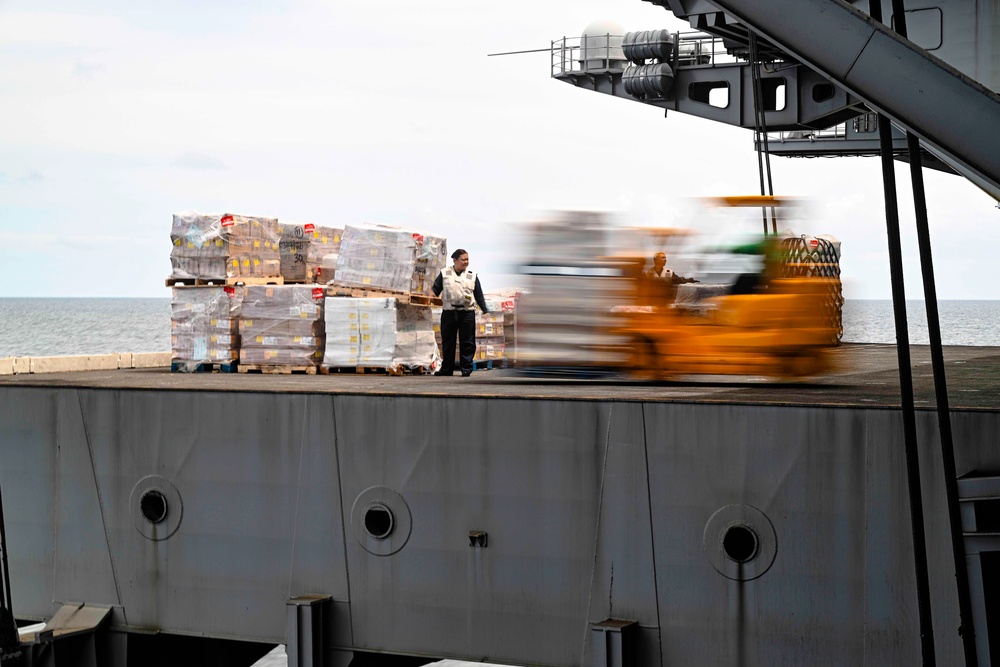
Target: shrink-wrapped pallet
point(489, 351)
point(415, 343)
point(282, 325)
point(204, 326)
point(216, 247)
point(506, 301)
point(360, 332)
point(394, 260)
point(490, 334)
point(566, 317)
point(303, 247)
point(379, 333)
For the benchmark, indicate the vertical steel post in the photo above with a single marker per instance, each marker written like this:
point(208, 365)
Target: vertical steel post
point(10, 643)
point(613, 643)
point(905, 382)
point(966, 628)
point(305, 630)
point(906, 394)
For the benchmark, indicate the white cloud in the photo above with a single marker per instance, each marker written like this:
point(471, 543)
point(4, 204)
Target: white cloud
point(198, 161)
point(352, 111)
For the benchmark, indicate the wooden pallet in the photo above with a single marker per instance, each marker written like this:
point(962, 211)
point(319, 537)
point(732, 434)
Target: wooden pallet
point(355, 370)
point(208, 367)
point(400, 297)
point(222, 282)
point(489, 364)
point(196, 282)
point(373, 370)
point(281, 369)
point(255, 280)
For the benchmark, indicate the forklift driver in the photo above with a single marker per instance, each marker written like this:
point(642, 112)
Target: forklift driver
point(661, 272)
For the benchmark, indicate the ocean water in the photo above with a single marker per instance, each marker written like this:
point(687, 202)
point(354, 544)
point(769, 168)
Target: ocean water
point(51, 327)
point(962, 322)
point(47, 327)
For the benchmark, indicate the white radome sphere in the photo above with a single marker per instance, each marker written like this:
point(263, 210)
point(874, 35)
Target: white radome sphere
point(603, 27)
point(602, 41)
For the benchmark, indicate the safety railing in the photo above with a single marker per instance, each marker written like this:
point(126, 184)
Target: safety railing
point(578, 55)
point(590, 53)
point(835, 132)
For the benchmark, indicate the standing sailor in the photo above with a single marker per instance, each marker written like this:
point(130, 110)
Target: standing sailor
point(460, 291)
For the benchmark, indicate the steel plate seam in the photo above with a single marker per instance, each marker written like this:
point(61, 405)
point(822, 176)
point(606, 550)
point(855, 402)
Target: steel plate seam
point(298, 497)
point(597, 532)
point(100, 503)
point(866, 502)
point(343, 523)
point(652, 540)
point(857, 57)
point(57, 490)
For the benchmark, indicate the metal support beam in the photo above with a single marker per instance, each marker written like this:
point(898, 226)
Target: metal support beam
point(906, 384)
point(613, 643)
point(305, 630)
point(906, 396)
point(871, 61)
point(10, 644)
point(966, 628)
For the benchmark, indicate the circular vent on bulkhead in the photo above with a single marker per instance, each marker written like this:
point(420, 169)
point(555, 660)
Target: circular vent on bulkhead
point(156, 508)
point(740, 542)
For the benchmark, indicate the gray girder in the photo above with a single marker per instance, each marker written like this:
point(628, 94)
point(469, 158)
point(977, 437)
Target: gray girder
point(950, 112)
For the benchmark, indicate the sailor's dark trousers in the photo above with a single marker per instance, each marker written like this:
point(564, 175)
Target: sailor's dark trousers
point(463, 324)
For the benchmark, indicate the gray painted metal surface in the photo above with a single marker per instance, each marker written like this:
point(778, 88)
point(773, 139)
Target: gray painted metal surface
point(594, 510)
point(925, 95)
point(940, 86)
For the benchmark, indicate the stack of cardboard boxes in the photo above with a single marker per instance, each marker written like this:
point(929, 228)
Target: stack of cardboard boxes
point(490, 340)
point(204, 326)
point(416, 346)
point(217, 247)
point(303, 247)
point(282, 326)
point(379, 333)
point(298, 325)
point(496, 331)
point(389, 259)
point(360, 332)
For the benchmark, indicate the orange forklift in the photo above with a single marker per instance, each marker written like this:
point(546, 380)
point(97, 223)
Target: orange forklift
point(781, 321)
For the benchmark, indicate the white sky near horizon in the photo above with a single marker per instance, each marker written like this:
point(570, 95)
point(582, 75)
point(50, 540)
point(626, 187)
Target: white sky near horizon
point(116, 114)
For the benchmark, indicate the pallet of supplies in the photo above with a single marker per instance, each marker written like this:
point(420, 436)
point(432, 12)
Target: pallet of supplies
point(379, 333)
point(204, 328)
point(302, 249)
point(225, 248)
point(490, 336)
point(281, 328)
point(416, 347)
point(490, 341)
point(360, 332)
point(506, 301)
point(389, 259)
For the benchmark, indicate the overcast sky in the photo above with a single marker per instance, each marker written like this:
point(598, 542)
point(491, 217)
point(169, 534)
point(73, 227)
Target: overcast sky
point(114, 114)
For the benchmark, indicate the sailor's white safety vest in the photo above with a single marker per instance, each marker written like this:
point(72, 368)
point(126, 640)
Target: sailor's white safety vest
point(458, 291)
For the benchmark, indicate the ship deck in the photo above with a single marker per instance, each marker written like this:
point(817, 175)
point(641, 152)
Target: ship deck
point(867, 377)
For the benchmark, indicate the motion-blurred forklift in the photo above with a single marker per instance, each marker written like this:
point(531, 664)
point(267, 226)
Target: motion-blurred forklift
point(780, 321)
